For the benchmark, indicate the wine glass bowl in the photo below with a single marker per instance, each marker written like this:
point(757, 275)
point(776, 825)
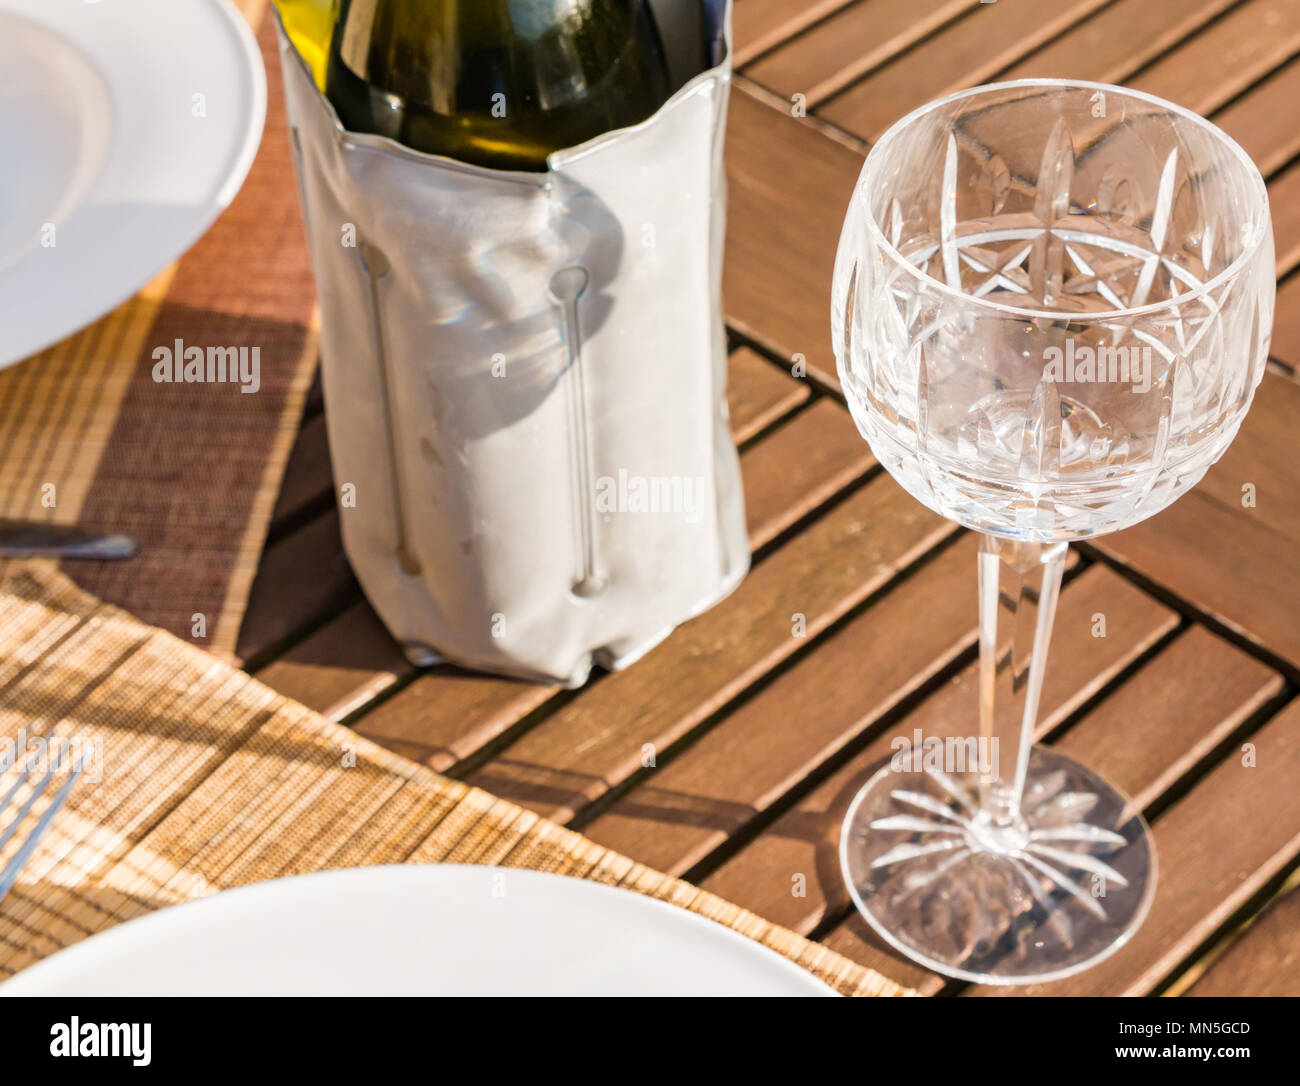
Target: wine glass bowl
point(1051, 308)
point(1052, 304)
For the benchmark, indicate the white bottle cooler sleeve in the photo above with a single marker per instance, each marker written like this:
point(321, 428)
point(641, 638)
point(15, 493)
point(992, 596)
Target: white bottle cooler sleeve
point(524, 379)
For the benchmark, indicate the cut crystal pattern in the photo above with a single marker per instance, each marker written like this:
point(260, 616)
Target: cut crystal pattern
point(1105, 248)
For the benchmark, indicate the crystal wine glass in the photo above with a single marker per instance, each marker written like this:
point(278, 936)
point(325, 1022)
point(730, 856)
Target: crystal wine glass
point(1051, 309)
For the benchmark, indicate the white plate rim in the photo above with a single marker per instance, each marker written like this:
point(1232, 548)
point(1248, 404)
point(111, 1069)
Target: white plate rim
point(51, 976)
point(241, 162)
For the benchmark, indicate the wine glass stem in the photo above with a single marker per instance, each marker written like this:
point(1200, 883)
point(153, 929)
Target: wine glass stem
point(1018, 587)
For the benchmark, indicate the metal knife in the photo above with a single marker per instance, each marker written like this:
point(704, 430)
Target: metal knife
point(35, 539)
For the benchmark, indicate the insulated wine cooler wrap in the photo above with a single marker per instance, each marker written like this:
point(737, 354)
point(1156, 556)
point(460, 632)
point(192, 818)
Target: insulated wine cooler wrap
point(524, 378)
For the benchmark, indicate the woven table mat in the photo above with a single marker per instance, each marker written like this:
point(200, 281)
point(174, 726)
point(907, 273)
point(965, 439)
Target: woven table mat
point(205, 779)
point(189, 470)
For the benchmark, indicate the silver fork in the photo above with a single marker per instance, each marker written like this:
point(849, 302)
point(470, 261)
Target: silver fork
point(10, 873)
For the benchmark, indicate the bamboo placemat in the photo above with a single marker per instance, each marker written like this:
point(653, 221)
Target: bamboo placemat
point(206, 779)
point(190, 470)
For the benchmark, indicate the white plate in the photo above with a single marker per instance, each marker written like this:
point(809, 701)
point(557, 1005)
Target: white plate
point(436, 929)
point(100, 140)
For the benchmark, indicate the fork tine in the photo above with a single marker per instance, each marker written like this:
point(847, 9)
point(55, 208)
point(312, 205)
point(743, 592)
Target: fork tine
point(28, 804)
point(10, 874)
point(9, 796)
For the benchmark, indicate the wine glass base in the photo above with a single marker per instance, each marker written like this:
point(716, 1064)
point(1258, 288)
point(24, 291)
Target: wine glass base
point(1040, 898)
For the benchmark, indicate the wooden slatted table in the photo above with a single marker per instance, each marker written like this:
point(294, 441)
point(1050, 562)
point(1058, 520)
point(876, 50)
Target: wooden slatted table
point(761, 737)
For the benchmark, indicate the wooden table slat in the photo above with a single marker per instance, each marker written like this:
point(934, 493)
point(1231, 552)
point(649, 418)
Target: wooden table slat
point(788, 188)
point(1286, 323)
point(1258, 458)
point(967, 52)
point(446, 715)
point(1118, 40)
point(1231, 560)
point(758, 25)
point(341, 666)
point(849, 44)
point(1264, 961)
point(759, 393)
point(302, 580)
point(1263, 119)
point(1245, 580)
point(1191, 698)
point(307, 476)
point(1226, 57)
point(801, 465)
point(1284, 206)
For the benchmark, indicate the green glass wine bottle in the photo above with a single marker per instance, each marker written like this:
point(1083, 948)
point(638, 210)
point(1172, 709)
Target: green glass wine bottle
point(499, 83)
